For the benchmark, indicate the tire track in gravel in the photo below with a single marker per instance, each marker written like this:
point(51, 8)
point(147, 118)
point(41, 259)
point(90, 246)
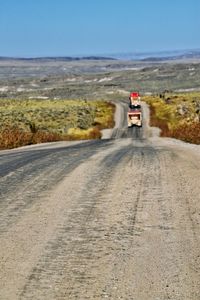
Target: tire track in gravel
point(120, 285)
point(76, 235)
point(40, 222)
point(36, 175)
point(100, 233)
point(183, 172)
point(181, 231)
point(117, 227)
point(161, 259)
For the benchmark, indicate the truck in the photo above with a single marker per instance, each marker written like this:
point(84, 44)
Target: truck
point(134, 100)
point(134, 117)
point(134, 114)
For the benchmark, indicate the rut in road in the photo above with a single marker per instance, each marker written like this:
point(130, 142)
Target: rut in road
point(124, 227)
point(27, 174)
point(32, 226)
point(76, 234)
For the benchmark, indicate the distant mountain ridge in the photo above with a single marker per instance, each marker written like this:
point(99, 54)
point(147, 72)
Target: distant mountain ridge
point(175, 57)
point(56, 58)
point(133, 56)
point(158, 56)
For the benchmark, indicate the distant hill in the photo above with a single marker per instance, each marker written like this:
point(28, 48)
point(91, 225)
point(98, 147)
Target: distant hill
point(131, 56)
point(192, 55)
point(64, 58)
point(158, 56)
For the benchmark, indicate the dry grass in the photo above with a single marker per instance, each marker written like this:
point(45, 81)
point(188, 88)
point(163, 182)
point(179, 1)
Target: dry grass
point(157, 122)
point(177, 115)
point(12, 137)
point(25, 122)
point(187, 132)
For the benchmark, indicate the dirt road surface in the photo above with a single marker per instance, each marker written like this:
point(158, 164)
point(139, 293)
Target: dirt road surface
point(117, 218)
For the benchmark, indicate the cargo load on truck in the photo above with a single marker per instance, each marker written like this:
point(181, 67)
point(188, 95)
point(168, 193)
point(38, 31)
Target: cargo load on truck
point(134, 115)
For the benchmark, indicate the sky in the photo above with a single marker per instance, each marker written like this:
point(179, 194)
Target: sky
point(32, 28)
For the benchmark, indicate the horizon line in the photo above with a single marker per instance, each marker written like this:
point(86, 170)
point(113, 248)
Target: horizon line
point(99, 55)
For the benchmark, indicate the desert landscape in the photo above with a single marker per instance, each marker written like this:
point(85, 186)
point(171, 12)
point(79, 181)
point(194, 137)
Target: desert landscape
point(36, 94)
point(92, 209)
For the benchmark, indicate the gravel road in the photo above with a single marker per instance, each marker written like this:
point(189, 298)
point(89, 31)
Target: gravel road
point(117, 218)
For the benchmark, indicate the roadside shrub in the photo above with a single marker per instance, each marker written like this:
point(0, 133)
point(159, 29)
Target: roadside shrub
point(187, 132)
point(45, 137)
point(81, 134)
point(94, 133)
point(185, 127)
point(11, 137)
point(157, 122)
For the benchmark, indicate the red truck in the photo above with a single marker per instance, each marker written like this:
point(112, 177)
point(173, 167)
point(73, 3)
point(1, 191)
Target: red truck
point(134, 115)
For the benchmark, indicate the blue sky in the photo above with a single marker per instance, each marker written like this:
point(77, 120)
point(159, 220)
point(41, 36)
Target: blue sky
point(91, 27)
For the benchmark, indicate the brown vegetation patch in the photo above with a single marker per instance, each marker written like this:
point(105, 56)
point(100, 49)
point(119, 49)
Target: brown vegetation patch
point(178, 117)
point(26, 122)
